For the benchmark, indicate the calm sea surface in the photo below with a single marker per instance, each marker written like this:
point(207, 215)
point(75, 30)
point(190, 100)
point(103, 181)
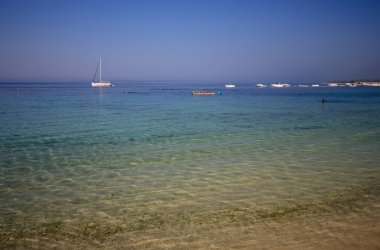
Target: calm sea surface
point(121, 155)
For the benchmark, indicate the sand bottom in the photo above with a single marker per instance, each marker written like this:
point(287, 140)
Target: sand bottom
point(351, 231)
point(345, 224)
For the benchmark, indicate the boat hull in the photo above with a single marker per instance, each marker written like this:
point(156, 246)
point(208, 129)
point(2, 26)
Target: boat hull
point(280, 85)
point(203, 93)
point(260, 85)
point(101, 84)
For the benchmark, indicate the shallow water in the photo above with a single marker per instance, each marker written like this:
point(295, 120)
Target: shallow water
point(143, 155)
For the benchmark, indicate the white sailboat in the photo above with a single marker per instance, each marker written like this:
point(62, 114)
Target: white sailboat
point(100, 83)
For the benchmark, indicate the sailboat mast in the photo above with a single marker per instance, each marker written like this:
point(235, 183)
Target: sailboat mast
point(100, 74)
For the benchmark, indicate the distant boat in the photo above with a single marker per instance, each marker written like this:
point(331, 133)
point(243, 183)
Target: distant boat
point(303, 85)
point(203, 93)
point(371, 84)
point(280, 85)
point(100, 83)
point(230, 85)
point(332, 84)
point(315, 85)
point(260, 85)
point(351, 84)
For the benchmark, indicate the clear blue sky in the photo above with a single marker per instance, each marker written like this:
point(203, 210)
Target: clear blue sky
point(189, 40)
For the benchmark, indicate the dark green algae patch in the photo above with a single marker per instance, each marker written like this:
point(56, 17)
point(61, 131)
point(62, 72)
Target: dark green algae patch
point(96, 230)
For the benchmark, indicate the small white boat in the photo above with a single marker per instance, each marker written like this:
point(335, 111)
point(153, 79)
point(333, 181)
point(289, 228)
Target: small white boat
point(100, 83)
point(280, 85)
point(352, 85)
point(315, 85)
point(371, 84)
point(230, 85)
point(332, 84)
point(260, 85)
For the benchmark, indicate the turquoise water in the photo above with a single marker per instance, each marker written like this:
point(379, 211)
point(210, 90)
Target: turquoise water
point(73, 152)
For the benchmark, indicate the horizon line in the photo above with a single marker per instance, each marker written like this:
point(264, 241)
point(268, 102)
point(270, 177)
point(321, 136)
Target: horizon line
point(185, 81)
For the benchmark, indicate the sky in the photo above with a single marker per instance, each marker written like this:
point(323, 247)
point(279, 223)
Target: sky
point(189, 40)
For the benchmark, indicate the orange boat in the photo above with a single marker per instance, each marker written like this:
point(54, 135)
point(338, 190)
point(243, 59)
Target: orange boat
point(203, 93)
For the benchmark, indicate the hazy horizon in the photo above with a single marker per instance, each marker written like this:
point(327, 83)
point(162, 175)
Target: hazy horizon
point(192, 41)
point(120, 81)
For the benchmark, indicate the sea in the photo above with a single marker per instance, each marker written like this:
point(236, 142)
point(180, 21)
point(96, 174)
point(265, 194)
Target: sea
point(82, 163)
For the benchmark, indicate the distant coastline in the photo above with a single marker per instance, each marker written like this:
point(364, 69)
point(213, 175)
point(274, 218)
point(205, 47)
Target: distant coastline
point(354, 83)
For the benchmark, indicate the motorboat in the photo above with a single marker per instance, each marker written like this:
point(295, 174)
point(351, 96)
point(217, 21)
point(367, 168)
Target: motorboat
point(280, 85)
point(260, 85)
point(203, 93)
point(230, 85)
